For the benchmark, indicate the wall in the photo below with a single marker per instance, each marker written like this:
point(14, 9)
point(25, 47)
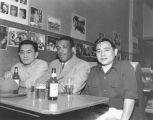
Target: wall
point(103, 16)
point(148, 21)
point(146, 46)
point(137, 28)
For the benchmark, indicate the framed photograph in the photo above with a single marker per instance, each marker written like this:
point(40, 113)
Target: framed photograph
point(39, 38)
point(15, 36)
point(3, 37)
point(54, 25)
point(119, 57)
point(36, 17)
point(135, 45)
point(14, 10)
point(125, 56)
point(4, 7)
point(78, 29)
point(117, 40)
point(100, 36)
point(15, 0)
point(86, 52)
point(22, 13)
point(24, 2)
point(51, 44)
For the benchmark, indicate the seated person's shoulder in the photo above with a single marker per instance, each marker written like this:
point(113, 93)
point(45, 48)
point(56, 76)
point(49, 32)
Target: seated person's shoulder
point(41, 63)
point(125, 65)
point(56, 61)
point(95, 68)
point(81, 61)
point(82, 64)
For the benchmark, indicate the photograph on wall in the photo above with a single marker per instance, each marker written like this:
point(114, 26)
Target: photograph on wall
point(24, 2)
point(14, 10)
point(3, 37)
point(86, 52)
point(119, 57)
point(117, 40)
point(15, 36)
point(4, 8)
point(36, 17)
point(54, 25)
point(22, 13)
point(125, 56)
point(78, 29)
point(135, 31)
point(15, 0)
point(39, 38)
point(51, 44)
point(100, 36)
point(135, 45)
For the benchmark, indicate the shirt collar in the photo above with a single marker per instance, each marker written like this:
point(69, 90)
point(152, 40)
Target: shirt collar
point(114, 65)
point(65, 63)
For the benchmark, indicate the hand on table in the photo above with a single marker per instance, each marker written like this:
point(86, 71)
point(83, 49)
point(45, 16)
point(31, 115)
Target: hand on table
point(29, 84)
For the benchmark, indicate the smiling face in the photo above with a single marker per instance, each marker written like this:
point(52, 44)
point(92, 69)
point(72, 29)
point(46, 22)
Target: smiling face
point(27, 54)
point(64, 50)
point(105, 53)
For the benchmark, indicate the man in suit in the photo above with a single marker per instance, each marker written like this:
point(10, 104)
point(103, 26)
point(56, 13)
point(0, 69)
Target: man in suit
point(68, 66)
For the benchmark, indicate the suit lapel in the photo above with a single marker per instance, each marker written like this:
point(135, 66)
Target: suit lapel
point(68, 67)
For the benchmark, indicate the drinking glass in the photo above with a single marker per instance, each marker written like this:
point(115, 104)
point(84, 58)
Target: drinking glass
point(40, 91)
point(69, 87)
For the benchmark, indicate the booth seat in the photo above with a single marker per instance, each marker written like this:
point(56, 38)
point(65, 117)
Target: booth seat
point(139, 110)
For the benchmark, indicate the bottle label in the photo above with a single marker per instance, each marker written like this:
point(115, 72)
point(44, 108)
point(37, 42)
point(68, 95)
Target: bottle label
point(53, 75)
point(53, 90)
point(17, 81)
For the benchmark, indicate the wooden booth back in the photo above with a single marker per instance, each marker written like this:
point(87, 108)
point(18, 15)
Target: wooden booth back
point(139, 110)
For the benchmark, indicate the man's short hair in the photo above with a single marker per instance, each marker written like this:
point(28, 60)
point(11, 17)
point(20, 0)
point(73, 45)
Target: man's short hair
point(107, 40)
point(28, 42)
point(67, 39)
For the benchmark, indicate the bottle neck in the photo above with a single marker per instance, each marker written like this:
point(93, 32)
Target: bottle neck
point(16, 70)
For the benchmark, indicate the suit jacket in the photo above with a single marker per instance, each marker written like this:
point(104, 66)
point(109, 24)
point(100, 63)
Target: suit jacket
point(75, 69)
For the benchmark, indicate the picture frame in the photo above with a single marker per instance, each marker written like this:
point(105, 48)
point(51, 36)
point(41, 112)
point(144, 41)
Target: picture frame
point(86, 51)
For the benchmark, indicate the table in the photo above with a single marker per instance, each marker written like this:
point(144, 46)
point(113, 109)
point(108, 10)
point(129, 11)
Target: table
point(40, 108)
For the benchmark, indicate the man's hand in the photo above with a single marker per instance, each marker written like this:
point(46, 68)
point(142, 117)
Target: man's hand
point(29, 83)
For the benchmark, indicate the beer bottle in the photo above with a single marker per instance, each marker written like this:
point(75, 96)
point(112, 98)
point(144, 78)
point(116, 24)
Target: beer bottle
point(16, 77)
point(53, 86)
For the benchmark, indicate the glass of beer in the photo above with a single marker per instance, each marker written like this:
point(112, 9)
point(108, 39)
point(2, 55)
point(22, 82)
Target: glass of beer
point(69, 87)
point(40, 91)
